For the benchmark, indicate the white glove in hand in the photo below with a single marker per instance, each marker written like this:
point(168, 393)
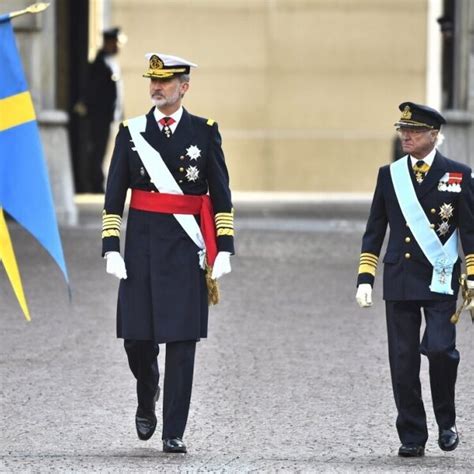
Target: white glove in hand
point(364, 295)
point(470, 286)
point(115, 265)
point(221, 265)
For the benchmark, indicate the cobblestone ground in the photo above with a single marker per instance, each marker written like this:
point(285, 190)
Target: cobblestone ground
point(293, 377)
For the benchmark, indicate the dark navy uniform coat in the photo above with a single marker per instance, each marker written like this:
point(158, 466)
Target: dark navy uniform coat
point(407, 272)
point(101, 90)
point(164, 298)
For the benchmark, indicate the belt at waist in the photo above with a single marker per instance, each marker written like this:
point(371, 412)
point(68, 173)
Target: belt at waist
point(181, 204)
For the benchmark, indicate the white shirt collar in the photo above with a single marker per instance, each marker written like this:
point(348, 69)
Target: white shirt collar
point(428, 159)
point(176, 116)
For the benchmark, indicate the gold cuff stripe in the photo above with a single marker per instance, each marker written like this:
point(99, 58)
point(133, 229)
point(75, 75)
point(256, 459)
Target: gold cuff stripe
point(224, 227)
point(224, 214)
point(367, 269)
point(368, 260)
point(112, 219)
point(105, 215)
point(371, 257)
point(110, 233)
point(367, 254)
point(111, 222)
point(228, 223)
point(470, 258)
point(225, 218)
point(16, 110)
point(111, 229)
point(221, 232)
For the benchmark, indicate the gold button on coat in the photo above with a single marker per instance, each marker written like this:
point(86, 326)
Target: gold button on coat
point(407, 240)
point(181, 157)
point(432, 226)
point(433, 211)
point(407, 255)
point(181, 169)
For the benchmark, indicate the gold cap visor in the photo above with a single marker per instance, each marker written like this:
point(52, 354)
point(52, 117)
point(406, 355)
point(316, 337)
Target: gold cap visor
point(413, 123)
point(164, 73)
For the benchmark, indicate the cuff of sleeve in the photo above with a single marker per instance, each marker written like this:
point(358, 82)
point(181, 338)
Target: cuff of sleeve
point(225, 243)
point(110, 244)
point(365, 278)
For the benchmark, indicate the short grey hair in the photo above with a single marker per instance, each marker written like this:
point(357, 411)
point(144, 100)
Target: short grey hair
point(439, 138)
point(184, 78)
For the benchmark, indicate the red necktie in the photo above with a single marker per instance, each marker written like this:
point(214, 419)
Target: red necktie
point(166, 122)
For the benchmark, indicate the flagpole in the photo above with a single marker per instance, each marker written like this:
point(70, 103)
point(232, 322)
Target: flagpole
point(35, 8)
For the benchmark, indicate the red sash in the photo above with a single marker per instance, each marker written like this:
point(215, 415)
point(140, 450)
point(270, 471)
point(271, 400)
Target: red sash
point(181, 204)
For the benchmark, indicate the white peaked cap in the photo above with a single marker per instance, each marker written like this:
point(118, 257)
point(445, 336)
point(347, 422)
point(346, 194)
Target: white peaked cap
point(169, 60)
point(163, 66)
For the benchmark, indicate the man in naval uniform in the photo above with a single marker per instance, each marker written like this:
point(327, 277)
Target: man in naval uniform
point(180, 225)
point(427, 200)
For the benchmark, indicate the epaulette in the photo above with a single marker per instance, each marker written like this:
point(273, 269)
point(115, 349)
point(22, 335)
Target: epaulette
point(210, 122)
point(125, 123)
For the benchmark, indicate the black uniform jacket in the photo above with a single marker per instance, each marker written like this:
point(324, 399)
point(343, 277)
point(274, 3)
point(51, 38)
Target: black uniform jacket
point(407, 271)
point(164, 297)
point(101, 91)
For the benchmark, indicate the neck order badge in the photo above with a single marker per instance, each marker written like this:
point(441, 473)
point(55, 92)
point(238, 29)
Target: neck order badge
point(22, 161)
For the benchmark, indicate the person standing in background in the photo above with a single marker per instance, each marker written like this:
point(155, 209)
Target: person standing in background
point(101, 106)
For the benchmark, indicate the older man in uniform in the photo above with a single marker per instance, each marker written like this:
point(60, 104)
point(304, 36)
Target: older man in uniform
point(180, 226)
point(427, 200)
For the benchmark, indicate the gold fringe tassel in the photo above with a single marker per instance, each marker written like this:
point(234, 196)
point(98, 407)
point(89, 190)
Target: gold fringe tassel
point(212, 287)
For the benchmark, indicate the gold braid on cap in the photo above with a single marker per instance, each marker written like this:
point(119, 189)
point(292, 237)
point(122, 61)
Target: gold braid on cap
point(406, 114)
point(156, 68)
point(405, 119)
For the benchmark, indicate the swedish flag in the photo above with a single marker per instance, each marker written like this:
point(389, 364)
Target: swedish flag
point(25, 193)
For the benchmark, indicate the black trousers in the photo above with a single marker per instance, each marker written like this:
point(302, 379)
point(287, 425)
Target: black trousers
point(177, 387)
point(439, 345)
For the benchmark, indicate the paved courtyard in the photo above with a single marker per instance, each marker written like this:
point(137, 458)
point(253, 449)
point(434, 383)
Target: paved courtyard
point(293, 377)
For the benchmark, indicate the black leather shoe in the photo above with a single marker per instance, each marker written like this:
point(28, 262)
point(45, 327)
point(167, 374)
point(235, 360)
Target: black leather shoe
point(145, 420)
point(411, 450)
point(174, 445)
point(448, 439)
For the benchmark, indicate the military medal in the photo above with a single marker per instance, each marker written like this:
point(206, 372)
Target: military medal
point(167, 131)
point(446, 211)
point(443, 228)
point(192, 173)
point(193, 152)
point(450, 182)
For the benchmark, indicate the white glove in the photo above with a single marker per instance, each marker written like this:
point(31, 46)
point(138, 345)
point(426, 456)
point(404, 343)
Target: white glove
point(470, 286)
point(221, 265)
point(115, 265)
point(364, 295)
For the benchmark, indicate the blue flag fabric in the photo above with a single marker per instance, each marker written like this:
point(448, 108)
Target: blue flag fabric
point(25, 191)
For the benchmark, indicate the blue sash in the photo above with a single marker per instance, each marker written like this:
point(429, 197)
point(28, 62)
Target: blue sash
point(442, 257)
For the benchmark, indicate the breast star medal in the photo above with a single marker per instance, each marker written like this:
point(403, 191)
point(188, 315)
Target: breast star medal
point(446, 211)
point(443, 228)
point(193, 152)
point(192, 173)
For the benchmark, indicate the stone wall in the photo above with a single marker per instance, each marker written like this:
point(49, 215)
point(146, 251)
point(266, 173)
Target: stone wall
point(305, 91)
